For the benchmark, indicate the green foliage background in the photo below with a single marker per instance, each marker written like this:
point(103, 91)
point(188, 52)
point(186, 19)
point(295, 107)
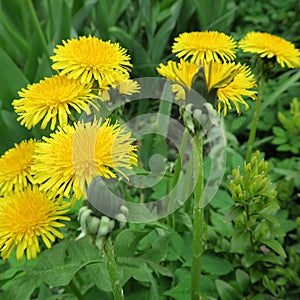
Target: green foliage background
point(155, 259)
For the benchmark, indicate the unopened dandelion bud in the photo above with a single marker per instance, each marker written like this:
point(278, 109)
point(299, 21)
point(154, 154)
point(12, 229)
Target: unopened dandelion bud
point(93, 225)
point(122, 219)
point(83, 219)
point(124, 210)
point(111, 225)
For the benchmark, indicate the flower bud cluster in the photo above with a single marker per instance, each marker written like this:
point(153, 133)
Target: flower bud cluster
point(99, 227)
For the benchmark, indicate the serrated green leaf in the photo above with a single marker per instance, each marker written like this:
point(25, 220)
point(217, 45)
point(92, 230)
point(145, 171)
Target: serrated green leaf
point(159, 249)
point(182, 290)
point(127, 242)
point(56, 266)
point(98, 274)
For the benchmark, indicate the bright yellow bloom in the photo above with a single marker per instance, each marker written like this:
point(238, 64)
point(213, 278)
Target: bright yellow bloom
point(182, 72)
point(51, 100)
point(208, 45)
point(235, 90)
point(15, 167)
point(24, 217)
point(90, 58)
point(233, 81)
point(73, 155)
point(271, 46)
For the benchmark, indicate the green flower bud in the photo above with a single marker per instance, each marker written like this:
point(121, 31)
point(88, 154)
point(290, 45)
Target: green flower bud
point(93, 225)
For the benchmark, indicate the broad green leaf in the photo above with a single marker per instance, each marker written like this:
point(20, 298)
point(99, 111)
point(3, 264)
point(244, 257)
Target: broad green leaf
point(215, 265)
point(127, 242)
point(21, 287)
point(240, 241)
point(159, 249)
point(275, 245)
point(227, 291)
point(176, 247)
point(251, 258)
point(222, 200)
point(243, 279)
point(225, 228)
point(279, 131)
point(57, 266)
point(182, 290)
point(98, 274)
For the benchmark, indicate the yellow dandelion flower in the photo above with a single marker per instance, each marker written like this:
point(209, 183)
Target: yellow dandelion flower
point(240, 86)
point(271, 46)
point(90, 58)
point(208, 45)
point(15, 167)
point(51, 100)
point(73, 155)
point(232, 81)
point(24, 217)
point(182, 72)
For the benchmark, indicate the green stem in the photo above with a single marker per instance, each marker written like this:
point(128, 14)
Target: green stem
point(198, 228)
point(112, 269)
point(38, 27)
point(255, 118)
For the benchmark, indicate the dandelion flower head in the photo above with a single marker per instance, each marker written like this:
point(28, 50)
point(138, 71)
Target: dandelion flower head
point(90, 58)
point(72, 156)
point(26, 216)
point(208, 45)
point(51, 100)
point(271, 47)
point(15, 167)
point(232, 81)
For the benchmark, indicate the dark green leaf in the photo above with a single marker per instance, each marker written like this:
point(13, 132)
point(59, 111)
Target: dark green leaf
point(227, 291)
point(215, 265)
point(274, 245)
point(233, 212)
point(57, 265)
point(240, 241)
point(225, 228)
point(21, 287)
point(12, 80)
point(11, 131)
point(243, 279)
point(127, 242)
